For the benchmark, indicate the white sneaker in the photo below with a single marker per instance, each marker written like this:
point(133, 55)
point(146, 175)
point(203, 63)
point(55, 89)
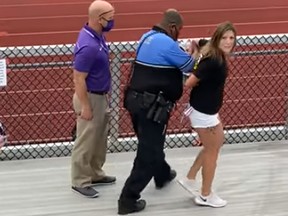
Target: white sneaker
point(212, 200)
point(189, 185)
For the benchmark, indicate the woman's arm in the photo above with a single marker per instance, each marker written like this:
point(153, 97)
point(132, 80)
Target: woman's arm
point(191, 81)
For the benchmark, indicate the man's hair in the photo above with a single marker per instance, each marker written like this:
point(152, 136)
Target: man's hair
point(172, 16)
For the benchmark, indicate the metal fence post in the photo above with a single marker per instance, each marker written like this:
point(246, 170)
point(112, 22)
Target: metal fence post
point(115, 97)
point(286, 93)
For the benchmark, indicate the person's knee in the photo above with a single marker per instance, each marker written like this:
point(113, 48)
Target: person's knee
point(210, 157)
point(211, 149)
point(145, 160)
point(88, 128)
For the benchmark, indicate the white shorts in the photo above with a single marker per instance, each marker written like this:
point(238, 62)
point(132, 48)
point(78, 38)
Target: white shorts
point(201, 120)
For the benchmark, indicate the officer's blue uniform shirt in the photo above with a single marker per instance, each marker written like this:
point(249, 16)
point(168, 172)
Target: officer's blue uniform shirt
point(157, 49)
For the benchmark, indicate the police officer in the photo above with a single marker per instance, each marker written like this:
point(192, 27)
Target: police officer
point(154, 87)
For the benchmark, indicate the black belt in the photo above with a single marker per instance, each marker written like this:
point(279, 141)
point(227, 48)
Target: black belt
point(144, 94)
point(97, 92)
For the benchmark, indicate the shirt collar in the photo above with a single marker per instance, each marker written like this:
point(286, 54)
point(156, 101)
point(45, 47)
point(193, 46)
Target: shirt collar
point(159, 29)
point(91, 32)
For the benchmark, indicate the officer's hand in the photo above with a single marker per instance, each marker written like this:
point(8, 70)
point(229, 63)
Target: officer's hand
point(194, 47)
point(187, 46)
point(196, 54)
point(86, 113)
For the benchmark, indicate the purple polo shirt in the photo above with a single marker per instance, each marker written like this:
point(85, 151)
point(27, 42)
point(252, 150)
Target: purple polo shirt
point(91, 55)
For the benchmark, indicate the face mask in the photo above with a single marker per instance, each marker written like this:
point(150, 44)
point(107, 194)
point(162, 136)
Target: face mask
point(176, 35)
point(109, 26)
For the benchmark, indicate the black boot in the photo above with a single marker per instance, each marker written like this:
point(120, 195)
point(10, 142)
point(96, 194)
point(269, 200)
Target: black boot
point(172, 175)
point(130, 206)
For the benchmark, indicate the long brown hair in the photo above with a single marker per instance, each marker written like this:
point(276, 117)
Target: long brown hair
point(214, 50)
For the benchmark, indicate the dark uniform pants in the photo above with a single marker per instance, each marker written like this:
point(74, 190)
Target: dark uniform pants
point(150, 158)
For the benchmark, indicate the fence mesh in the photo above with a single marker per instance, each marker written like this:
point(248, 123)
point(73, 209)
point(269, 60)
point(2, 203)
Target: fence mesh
point(36, 105)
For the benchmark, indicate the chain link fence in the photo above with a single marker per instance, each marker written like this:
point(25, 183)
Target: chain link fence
point(36, 105)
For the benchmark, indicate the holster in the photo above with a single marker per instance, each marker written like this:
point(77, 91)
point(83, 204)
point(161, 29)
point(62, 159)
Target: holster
point(158, 107)
point(160, 110)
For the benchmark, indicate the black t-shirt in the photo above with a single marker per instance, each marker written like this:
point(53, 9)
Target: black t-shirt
point(207, 95)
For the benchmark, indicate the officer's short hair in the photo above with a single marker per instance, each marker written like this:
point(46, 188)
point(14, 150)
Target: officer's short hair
point(172, 16)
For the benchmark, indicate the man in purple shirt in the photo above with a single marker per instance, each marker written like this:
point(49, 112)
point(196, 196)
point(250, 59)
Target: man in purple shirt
point(92, 80)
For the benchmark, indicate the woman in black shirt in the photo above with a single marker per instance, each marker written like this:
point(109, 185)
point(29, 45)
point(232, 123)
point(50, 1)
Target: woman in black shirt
point(206, 97)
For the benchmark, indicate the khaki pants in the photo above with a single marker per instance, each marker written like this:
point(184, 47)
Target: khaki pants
point(89, 151)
